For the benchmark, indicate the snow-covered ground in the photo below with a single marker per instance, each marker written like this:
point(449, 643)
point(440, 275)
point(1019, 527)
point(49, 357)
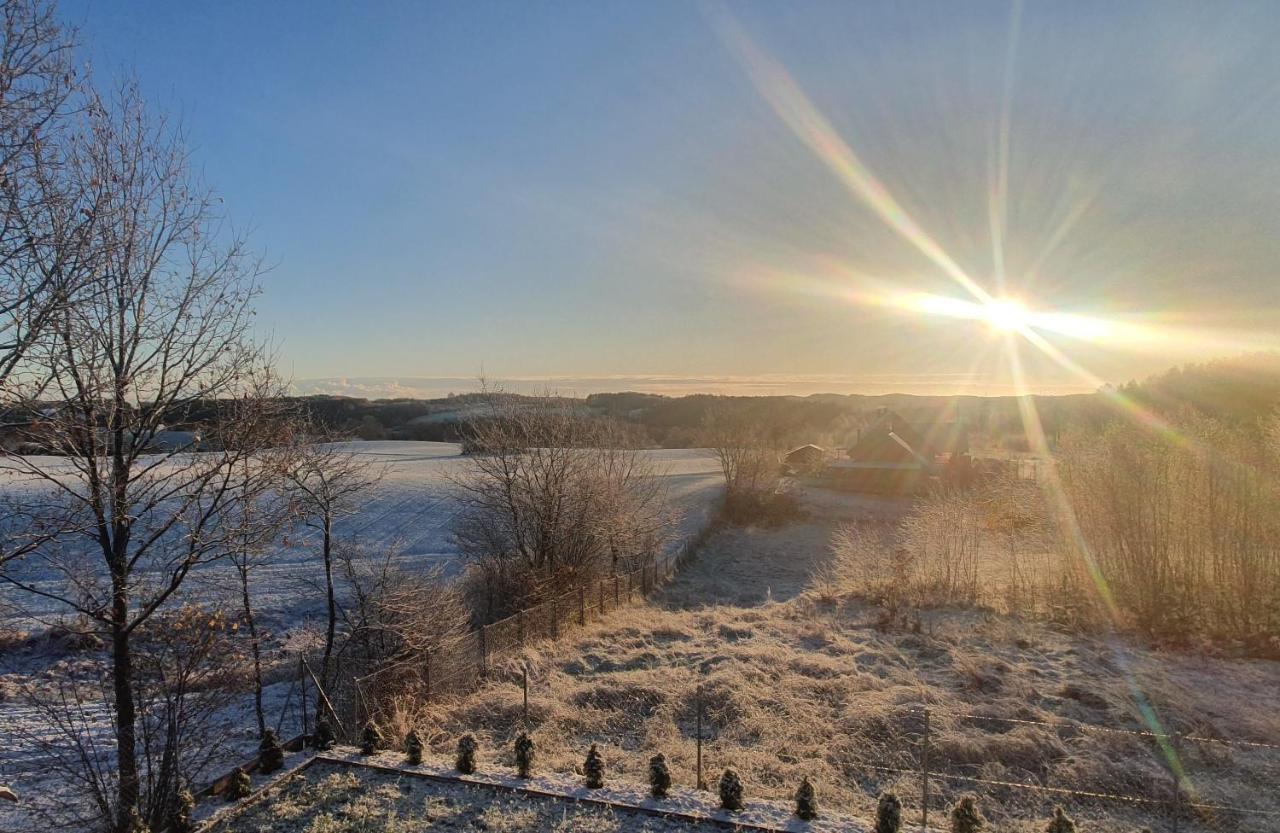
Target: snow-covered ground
point(410, 512)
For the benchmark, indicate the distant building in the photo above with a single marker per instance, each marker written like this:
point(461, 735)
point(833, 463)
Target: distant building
point(806, 459)
point(894, 456)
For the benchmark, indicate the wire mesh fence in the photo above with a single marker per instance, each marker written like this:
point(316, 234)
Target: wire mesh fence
point(460, 665)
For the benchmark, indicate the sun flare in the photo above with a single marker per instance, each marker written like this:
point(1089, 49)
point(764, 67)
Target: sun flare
point(1006, 315)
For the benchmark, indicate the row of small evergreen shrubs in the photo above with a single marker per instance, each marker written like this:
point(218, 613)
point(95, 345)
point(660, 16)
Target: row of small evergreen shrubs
point(965, 815)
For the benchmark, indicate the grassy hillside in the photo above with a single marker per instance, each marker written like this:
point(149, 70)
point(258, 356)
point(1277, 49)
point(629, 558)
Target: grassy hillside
point(799, 679)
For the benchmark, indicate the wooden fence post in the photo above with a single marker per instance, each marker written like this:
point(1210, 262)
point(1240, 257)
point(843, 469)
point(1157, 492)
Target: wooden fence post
point(582, 606)
point(302, 681)
point(924, 774)
point(600, 588)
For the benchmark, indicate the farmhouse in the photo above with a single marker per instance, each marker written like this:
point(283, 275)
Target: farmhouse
point(894, 456)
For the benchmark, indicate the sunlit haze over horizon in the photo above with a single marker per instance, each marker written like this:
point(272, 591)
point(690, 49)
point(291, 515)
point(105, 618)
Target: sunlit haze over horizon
point(752, 198)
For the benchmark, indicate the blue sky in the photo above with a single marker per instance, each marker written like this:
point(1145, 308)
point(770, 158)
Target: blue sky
point(598, 190)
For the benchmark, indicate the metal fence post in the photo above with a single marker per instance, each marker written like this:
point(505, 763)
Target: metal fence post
point(526, 696)
point(600, 589)
point(484, 653)
point(924, 774)
point(582, 606)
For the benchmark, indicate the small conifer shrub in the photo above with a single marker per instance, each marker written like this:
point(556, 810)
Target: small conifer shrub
point(1061, 822)
point(524, 755)
point(593, 768)
point(466, 760)
point(240, 786)
point(413, 747)
point(324, 737)
point(965, 817)
point(731, 790)
point(888, 813)
point(136, 824)
point(659, 776)
point(370, 739)
point(184, 807)
point(270, 753)
point(806, 801)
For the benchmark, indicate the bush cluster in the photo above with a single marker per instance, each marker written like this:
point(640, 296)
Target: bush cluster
point(593, 768)
point(659, 776)
point(524, 755)
point(413, 747)
point(466, 758)
point(731, 790)
point(270, 753)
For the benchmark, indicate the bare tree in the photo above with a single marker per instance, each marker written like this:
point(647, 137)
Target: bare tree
point(551, 498)
point(47, 208)
point(328, 481)
point(392, 614)
point(165, 324)
point(748, 451)
point(264, 425)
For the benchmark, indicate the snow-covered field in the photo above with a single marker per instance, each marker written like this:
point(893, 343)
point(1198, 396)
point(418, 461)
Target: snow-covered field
point(410, 512)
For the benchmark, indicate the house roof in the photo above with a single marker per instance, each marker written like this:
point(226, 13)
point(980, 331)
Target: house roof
point(808, 448)
point(893, 439)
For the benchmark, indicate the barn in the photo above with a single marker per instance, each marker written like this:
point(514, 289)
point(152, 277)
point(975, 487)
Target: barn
point(894, 456)
point(806, 459)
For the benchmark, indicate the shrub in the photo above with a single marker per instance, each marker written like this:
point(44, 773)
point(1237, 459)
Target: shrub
point(593, 768)
point(965, 817)
point(730, 790)
point(136, 824)
point(270, 754)
point(659, 776)
point(413, 747)
point(807, 801)
point(184, 806)
point(370, 739)
point(1061, 822)
point(466, 760)
point(323, 738)
point(524, 755)
point(239, 786)
point(888, 813)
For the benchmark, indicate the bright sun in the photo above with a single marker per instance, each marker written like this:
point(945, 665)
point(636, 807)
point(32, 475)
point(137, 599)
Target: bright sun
point(1006, 314)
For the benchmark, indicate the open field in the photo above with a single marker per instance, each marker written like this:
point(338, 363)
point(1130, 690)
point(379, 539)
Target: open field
point(797, 685)
point(410, 512)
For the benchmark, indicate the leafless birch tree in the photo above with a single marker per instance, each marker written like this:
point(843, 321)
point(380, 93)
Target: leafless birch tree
point(552, 497)
point(328, 480)
point(164, 323)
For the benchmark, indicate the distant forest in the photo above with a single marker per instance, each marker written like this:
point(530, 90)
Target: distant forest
point(1243, 390)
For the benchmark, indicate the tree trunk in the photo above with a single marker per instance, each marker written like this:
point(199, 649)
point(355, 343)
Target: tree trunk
point(333, 603)
point(126, 716)
point(254, 647)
